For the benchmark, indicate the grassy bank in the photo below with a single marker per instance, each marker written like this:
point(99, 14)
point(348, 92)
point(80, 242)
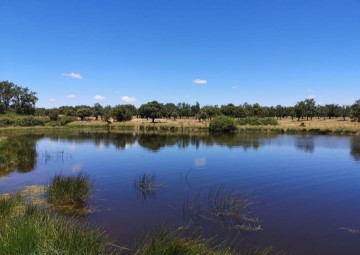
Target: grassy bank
point(335, 126)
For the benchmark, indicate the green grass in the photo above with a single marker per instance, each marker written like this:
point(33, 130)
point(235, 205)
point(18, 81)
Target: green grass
point(30, 230)
point(8, 203)
point(168, 242)
point(69, 192)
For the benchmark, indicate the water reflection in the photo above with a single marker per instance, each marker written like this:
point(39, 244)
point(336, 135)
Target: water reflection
point(355, 148)
point(18, 152)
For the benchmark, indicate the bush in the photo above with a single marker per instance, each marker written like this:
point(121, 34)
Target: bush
point(256, 121)
point(28, 121)
point(222, 124)
point(7, 120)
point(53, 115)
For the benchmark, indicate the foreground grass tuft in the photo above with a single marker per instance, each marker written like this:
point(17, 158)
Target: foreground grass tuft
point(69, 192)
point(39, 231)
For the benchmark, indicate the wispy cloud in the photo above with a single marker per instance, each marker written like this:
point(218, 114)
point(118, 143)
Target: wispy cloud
point(98, 97)
point(311, 97)
point(199, 81)
point(52, 100)
point(235, 87)
point(187, 96)
point(71, 96)
point(72, 75)
point(128, 99)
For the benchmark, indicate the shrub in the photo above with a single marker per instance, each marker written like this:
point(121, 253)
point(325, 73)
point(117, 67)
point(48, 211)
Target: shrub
point(222, 124)
point(28, 121)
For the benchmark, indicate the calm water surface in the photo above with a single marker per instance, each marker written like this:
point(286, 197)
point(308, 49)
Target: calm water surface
point(305, 189)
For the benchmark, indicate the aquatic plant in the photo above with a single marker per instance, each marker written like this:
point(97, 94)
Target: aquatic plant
point(8, 202)
point(167, 241)
point(146, 184)
point(223, 207)
point(69, 192)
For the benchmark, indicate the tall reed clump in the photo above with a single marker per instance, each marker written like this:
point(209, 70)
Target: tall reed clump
point(69, 192)
point(30, 230)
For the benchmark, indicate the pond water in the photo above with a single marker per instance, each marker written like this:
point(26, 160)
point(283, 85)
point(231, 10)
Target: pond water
point(304, 190)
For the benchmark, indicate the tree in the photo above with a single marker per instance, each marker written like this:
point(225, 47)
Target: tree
point(279, 112)
point(344, 111)
point(355, 111)
point(107, 111)
point(15, 98)
point(121, 113)
point(170, 110)
point(211, 111)
point(300, 110)
point(152, 110)
point(98, 110)
point(310, 108)
point(83, 112)
point(332, 110)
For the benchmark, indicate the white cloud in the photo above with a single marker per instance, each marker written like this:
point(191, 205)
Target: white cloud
point(71, 96)
point(235, 87)
point(98, 97)
point(199, 81)
point(52, 100)
point(187, 96)
point(311, 97)
point(128, 99)
point(72, 75)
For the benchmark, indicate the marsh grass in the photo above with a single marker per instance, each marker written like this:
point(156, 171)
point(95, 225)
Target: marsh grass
point(8, 202)
point(146, 184)
point(32, 230)
point(223, 207)
point(167, 241)
point(70, 193)
point(176, 241)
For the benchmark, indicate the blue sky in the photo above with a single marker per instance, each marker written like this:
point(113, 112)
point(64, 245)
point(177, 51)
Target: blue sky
point(215, 52)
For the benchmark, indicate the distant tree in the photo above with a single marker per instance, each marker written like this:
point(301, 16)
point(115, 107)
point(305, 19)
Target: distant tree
point(152, 110)
point(355, 111)
point(184, 110)
point(300, 110)
point(83, 112)
point(107, 111)
point(310, 108)
point(170, 110)
point(332, 110)
point(258, 111)
point(98, 110)
point(229, 110)
point(202, 116)
point(195, 109)
point(211, 111)
point(344, 111)
point(279, 112)
point(122, 113)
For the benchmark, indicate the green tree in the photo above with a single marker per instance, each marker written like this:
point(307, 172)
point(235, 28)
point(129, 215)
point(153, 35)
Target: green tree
point(98, 110)
point(17, 99)
point(355, 111)
point(83, 112)
point(310, 108)
point(300, 110)
point(332, 110)
point(121, 113)
point(152, 110)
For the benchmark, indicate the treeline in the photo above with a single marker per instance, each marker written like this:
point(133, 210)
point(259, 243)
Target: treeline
point(18, 100)
point(306, 109)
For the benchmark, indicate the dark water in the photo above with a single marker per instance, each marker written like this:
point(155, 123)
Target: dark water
point(305, 189)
